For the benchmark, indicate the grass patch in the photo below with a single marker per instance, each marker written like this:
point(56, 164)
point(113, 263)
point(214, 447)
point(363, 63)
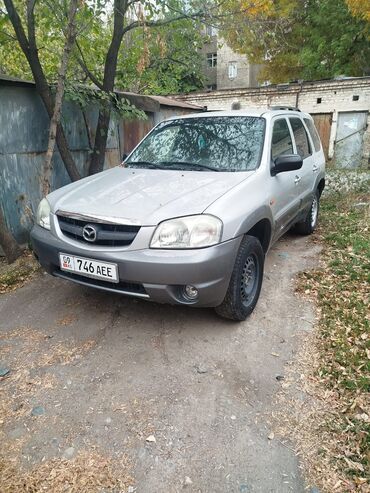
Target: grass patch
point(341, 288)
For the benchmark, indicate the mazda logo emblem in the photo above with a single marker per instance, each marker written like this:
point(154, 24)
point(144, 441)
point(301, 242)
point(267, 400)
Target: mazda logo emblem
point(89, 233)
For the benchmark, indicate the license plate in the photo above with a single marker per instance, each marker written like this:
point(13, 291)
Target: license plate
point(89, 267)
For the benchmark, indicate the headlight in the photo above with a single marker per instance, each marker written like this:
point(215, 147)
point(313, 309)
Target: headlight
point(188, 232)
point(43, 214)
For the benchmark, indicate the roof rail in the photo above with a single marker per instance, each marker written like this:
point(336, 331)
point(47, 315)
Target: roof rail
point(289, 108)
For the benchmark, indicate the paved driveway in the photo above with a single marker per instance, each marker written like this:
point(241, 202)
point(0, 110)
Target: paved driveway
point(111, 372)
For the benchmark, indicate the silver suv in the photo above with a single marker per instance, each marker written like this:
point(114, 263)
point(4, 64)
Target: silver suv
point(189, 216)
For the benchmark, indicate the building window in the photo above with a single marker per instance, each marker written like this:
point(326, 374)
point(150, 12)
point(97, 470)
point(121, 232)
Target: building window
point(212, 59)
point(355, 98)
point(318, 100)
point(232, 70)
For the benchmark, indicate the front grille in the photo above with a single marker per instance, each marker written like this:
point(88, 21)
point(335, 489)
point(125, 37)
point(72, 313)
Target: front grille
point(121, 287)
point(106, 234)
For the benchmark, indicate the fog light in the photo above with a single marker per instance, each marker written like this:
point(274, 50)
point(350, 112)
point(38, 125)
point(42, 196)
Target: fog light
point(191, 292)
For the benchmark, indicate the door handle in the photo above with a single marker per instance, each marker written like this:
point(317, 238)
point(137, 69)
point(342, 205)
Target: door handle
point(315, 168)
point(297, 179)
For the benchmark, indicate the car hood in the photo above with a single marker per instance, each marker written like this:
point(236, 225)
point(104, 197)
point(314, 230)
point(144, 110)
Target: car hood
point(144, 196)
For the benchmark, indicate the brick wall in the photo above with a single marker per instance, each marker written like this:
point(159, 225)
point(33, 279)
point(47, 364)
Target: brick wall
point(345, 95)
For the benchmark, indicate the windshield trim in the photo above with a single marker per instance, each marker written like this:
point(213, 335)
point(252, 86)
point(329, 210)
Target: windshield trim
point(176, 119)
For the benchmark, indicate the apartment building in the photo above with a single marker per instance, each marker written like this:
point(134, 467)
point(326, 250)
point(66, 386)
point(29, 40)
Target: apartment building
point(223, 68)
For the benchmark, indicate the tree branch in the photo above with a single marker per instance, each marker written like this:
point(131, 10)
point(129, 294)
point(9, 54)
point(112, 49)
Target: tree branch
point(82, 63)
point(71, 34)
point(12, 38)
point(162, 22)
point(31, 24)
point(17, 26)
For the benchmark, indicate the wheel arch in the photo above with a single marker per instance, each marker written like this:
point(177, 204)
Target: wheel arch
point(259, 223)
point(262, 231)
point(320, 186)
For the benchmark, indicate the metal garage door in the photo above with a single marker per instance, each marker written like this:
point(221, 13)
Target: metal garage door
point(323, 125)
point(348, 150)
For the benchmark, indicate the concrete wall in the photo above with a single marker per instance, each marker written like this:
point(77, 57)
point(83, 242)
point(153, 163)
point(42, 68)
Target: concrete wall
point(336, 96)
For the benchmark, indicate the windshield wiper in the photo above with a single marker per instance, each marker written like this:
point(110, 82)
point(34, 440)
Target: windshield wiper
point(187, 164)
point(144, 164)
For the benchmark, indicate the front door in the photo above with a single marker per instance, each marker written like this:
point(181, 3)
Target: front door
point(284, 199)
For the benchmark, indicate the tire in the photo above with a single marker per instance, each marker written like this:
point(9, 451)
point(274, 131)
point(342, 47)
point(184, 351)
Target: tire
point(241, 296)
point(308, 225)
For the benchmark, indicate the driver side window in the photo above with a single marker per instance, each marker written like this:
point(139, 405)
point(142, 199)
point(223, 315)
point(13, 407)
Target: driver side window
point(281, 139)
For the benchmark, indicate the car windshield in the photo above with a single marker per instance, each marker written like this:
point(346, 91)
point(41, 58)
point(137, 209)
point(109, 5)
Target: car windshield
point(221, 143)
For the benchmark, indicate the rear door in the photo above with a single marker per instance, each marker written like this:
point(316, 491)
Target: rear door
point(284, 190)
point(304, 176)
point(318, 165)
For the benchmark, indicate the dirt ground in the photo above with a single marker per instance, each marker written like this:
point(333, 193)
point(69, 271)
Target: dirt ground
point(185, 397)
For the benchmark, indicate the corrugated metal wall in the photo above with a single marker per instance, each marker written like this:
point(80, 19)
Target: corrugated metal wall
point(23, 141)
point(24, 126)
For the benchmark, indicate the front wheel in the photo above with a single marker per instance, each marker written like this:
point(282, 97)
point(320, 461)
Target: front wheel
point(246, 281)
point(308, 225)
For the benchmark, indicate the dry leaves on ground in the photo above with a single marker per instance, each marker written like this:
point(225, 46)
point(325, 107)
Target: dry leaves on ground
point(330, 420)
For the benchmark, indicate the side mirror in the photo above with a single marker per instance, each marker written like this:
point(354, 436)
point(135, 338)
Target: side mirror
point(124, 157)
point(290, 162)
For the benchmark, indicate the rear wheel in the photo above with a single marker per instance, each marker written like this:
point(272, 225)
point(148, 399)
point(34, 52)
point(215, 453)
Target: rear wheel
point(246, 281)
point(308, 225)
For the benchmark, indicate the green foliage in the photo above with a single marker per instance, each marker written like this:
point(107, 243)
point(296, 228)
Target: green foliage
point(299, 39)
point(49, 34)
point(161, 60)
point(158, 60)
point(117, 105)
point(335, 42)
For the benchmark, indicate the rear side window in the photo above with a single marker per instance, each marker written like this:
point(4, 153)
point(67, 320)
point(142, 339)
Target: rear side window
point(300, 137)
point(281, 139)
point(313, 132)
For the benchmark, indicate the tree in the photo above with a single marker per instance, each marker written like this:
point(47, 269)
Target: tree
point(28, 44)
point(100, 56)
point(71, 34)
point(7, 241)
point(159, 60)
point(301, 39)
point(335, 42)
point(162, 60)
point(148, 14)
point(359, 8)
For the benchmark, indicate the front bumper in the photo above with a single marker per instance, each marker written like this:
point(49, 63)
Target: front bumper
point(158, 275)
